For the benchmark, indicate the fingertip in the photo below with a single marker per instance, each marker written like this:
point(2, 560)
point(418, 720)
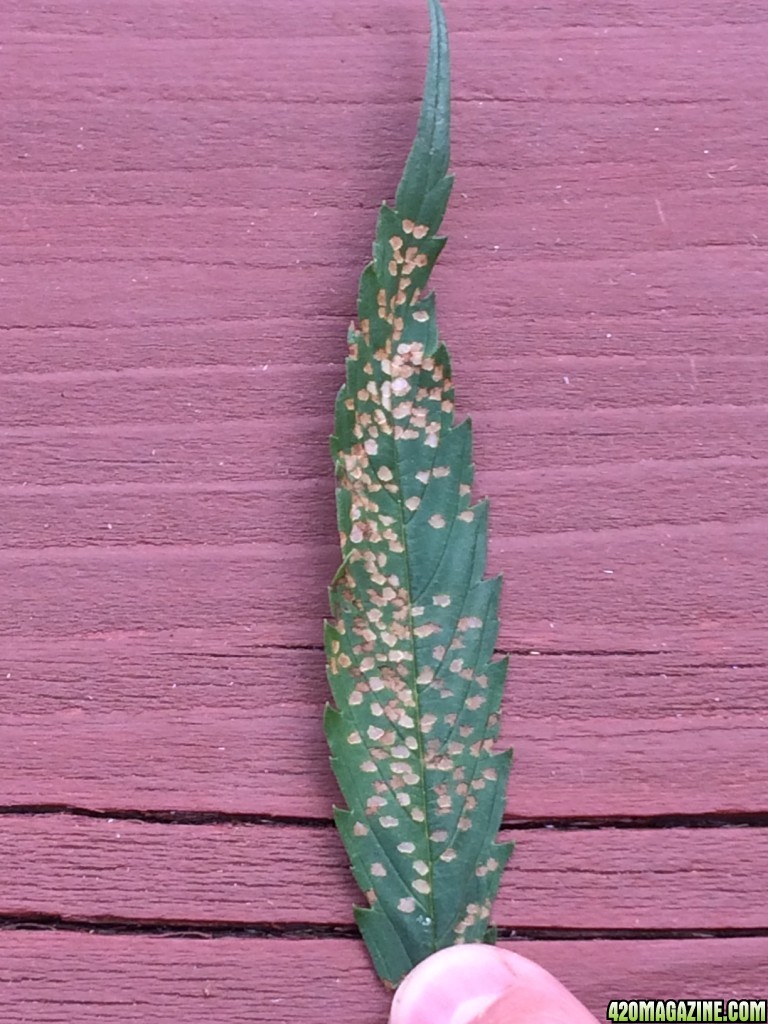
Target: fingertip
point(477, 984)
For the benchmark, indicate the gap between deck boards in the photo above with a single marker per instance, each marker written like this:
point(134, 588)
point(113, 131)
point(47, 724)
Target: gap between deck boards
point(731, 819)
point(53, 922)
point(513, 652)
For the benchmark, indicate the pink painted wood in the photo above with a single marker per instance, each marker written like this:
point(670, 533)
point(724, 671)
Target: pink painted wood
point(52, 977)
point(110, 871)
point(187, 195)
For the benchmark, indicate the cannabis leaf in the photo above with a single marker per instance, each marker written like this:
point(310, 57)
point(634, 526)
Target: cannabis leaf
point(414, 622)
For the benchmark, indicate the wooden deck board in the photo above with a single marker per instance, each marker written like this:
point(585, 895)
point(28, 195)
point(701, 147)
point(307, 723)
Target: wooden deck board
point(187, 194)
point(66, 978)
point(648, 588)
point(81, 869)
point(198, 720)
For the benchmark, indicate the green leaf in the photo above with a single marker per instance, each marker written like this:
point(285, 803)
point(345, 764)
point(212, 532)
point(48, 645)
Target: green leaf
point(410, 646)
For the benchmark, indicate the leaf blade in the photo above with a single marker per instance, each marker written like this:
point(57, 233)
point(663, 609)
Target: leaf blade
point(410, 647)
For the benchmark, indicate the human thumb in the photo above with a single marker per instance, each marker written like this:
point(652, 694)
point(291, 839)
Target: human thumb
point(479, 984)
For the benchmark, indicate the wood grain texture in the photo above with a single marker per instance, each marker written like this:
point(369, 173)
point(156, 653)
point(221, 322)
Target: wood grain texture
point(111, 871)
point(206, 720)
point(50, 978)
point(187, 193)
point(177, 234)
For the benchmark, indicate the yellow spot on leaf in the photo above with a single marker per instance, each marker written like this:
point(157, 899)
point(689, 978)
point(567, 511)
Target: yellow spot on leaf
point(427, 723)
point(428, 629)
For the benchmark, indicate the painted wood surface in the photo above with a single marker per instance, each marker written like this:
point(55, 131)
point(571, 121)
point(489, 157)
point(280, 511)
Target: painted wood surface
point(206, 720)
point(55, 978)
point(187, 193)
point(216, 875)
